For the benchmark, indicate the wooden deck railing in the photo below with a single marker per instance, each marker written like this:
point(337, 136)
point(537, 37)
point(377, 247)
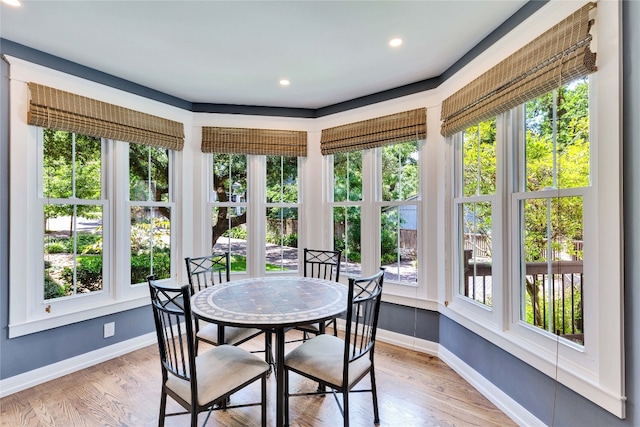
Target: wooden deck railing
point(555, 305)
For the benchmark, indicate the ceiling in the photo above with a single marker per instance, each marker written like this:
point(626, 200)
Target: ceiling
point(236, 52)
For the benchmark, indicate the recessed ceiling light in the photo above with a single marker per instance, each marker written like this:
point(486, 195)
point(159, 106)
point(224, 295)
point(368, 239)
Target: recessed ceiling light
point(284, 82)
point(395, 42)
point(15, 3)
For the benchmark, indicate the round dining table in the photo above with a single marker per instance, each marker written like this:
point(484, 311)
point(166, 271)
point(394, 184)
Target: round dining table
point(272, 303)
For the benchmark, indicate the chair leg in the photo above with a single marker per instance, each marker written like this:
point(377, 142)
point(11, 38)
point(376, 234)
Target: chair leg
point(286, 397)
point(345, 407)
point(374, 393)
point(264, 401)
point(163, 408)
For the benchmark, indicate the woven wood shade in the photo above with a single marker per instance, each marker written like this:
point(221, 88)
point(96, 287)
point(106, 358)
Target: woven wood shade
point(556, 57)
point(55, 109)
point(268, 142)
point(400, 127)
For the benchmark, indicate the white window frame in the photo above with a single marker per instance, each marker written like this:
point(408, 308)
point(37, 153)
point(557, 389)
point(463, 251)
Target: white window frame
point(28, 311)
point(370, 206)
point(256, 207)
point(596, 371)
point(283, 205)
point(148, 204)
point(474, 308)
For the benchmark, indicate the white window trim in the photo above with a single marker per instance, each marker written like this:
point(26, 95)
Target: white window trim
point(597, 370)
point(26, 314)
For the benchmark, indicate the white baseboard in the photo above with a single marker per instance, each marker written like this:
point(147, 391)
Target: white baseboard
point(56, 370)
point(506, 404)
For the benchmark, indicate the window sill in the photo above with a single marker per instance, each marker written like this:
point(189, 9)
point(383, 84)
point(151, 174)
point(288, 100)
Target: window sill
point(87, 312)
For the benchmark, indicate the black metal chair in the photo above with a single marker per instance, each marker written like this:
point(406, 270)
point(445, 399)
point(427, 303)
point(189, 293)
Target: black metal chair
point(207, 271)
point(198, 382)
point(337, 363)
point(320, 264)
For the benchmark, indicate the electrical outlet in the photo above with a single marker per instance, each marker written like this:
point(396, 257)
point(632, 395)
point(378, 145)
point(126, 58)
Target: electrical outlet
point(109, 329)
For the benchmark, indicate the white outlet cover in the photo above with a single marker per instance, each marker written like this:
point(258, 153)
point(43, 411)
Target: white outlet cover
point(109, 329)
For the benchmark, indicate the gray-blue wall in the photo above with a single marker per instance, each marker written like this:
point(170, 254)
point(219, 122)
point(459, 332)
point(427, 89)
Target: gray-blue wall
point(531, 389)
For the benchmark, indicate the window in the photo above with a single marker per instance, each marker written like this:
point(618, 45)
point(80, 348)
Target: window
point(399, 184)
point(229, 208)
point(394, 245)
point(374, 195)
point(475, 189)
point(91, 215)
point(347, 207)
point(554, 181)
point(282, 213)
point(244, 185)
point(73, 202)
point(150, 212)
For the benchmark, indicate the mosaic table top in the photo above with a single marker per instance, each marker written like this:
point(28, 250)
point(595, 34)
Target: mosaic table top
point(271, 301)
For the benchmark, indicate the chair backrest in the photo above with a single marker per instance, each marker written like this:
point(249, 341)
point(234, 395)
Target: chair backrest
point(208, 270)
point(365, 294)
point(174, 328)
point(322, 264)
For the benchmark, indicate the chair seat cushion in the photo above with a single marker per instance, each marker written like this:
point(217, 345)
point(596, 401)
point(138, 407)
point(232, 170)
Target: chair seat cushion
point(233, 335)
point(322, 358)
point(220, 370)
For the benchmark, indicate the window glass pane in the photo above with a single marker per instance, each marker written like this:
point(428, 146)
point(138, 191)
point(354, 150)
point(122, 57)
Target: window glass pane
point(72, 250)
point(346, 237)
point(282, 239)
point(229, 232)
point(347, 175)
point(282, 179)
point(148, 173)
point(399, 243)
point(479, 159)
point(476, 259)
point(400, 171)
point(72, 165)
point(552, 246)
point(150, 243)
point(230, 177)
point(557, 138)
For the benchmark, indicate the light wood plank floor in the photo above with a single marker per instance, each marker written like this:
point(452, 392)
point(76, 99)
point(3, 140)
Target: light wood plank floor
point(414, 389)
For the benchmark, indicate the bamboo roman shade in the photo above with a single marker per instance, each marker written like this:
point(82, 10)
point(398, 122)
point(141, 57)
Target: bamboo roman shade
point(556, 57)
point(400, 127)
point(268, 142)
point(55, 109)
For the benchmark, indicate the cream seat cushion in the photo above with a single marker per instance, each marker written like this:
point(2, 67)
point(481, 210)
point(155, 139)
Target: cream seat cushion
point(220, 370)
point(322, 358)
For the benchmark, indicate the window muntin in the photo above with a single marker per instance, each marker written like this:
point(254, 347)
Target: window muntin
point(555, 179)
point(229, 208)
point(281, 218)
point(150, 212)
point(71, 188)
point(399, 184)
point(475, 172)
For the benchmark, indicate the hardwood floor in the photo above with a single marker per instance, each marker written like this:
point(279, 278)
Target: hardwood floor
point(414, 389)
